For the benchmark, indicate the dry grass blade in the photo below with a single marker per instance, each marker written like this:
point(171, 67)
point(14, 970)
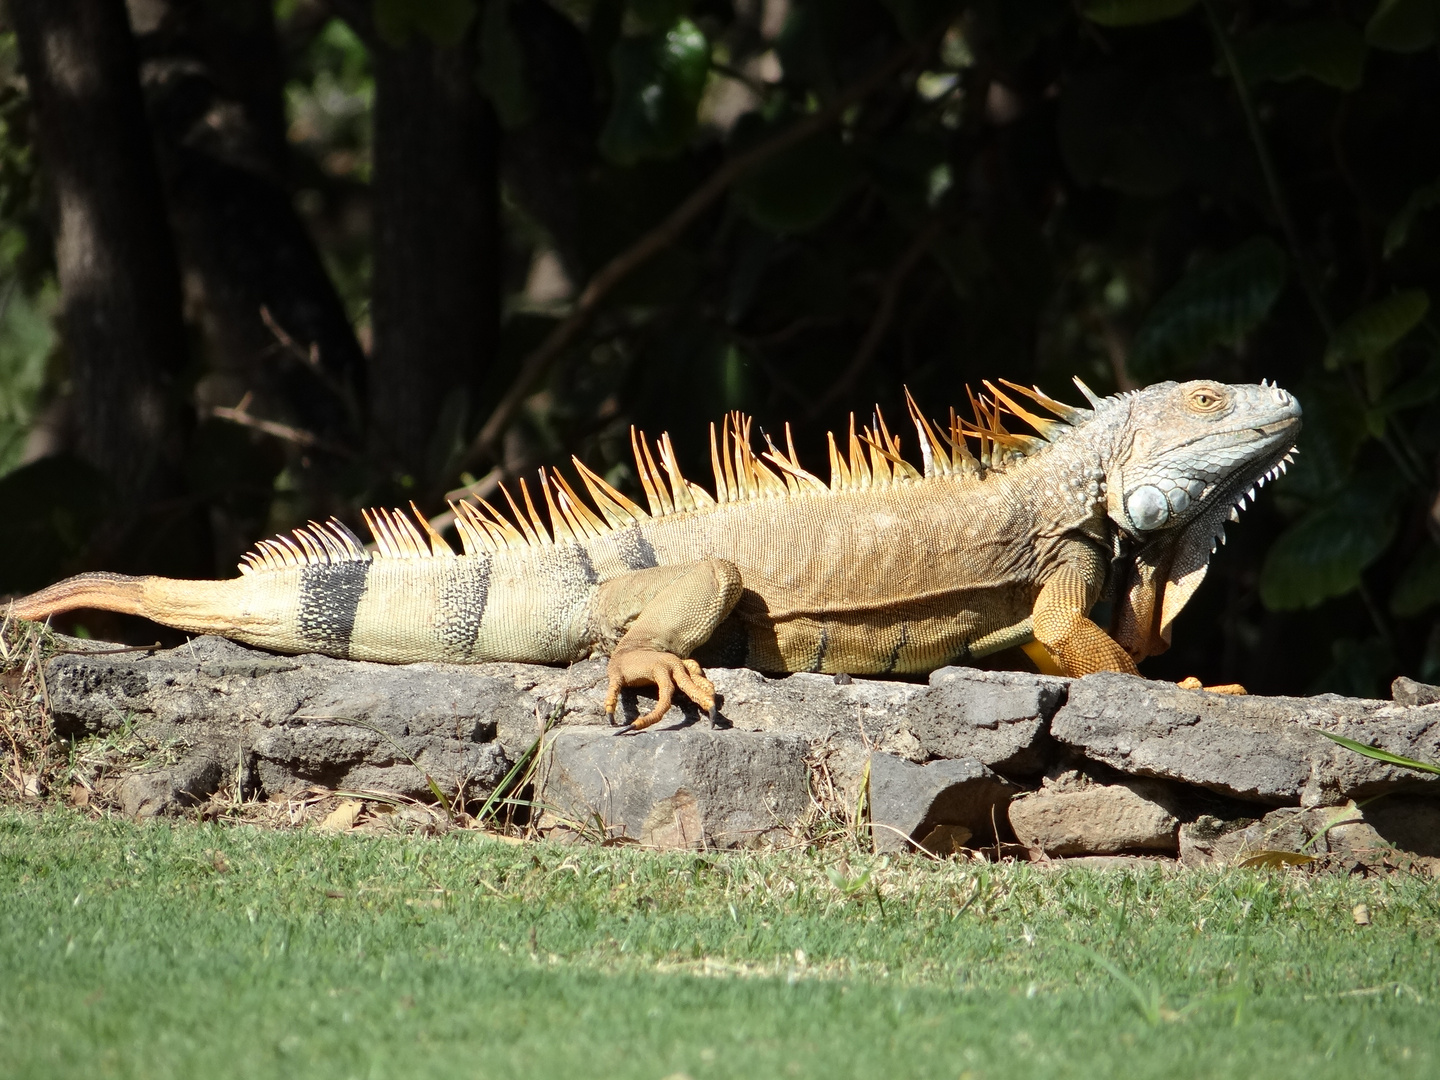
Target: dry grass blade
point(34, 763)
point(520, 775)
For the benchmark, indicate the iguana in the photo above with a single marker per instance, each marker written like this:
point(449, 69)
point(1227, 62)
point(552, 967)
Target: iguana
point(888, 568)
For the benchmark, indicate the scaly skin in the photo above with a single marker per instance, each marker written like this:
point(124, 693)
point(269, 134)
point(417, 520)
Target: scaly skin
point(881, 571)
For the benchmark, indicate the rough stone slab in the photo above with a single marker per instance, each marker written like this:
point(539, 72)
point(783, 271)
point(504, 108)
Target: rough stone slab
point(297, 721)
point(691, 788)
point(1262, 749)
point(1000, 718)
point(995, 717)
point(1104, 819)
point(150, 793)
point(283, 723)
point(910, 801)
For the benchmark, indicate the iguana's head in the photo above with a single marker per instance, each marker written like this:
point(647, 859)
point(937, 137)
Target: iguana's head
point(1189, 452)
point(1182, 459)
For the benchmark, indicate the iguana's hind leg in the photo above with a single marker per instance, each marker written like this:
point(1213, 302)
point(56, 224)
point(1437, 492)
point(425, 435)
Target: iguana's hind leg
point(662, 615)
point(1061, 623)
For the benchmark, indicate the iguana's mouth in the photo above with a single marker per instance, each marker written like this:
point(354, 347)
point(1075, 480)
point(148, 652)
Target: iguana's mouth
point(1242, 486)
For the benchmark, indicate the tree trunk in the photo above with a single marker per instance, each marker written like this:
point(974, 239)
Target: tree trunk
point(435, 304)
point(120, 288)
point(214, 79)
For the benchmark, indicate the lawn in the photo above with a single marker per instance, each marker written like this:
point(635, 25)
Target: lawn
point(196, 950)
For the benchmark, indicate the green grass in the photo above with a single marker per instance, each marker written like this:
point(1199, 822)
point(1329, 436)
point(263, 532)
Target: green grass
point(197, 950)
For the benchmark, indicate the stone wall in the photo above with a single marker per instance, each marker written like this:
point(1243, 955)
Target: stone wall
point(1109, 764)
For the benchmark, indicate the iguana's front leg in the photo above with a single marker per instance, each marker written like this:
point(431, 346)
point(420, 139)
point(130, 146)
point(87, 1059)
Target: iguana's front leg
point(661, 616)
point(1061, 618)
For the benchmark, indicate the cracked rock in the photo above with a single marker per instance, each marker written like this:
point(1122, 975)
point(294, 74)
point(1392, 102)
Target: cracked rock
point(169, 790)
point(999, 718)
point(1102, 819)
point(689, 788)
point(1261, 749)
point(908, 802)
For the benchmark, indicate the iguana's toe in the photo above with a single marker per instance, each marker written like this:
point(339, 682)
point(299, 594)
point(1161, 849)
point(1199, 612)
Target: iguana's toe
point(1192, 683)
point(666, 672)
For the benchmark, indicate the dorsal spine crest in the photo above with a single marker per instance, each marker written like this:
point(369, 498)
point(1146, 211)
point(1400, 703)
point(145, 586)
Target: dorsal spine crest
point(873, 459)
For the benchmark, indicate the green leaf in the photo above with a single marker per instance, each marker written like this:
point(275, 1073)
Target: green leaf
point(443, 21)
point(1376, 327)
point(1378, 754)
point(1133, 12)
point(1216, 304)
point(1421, 199)
point(658, 82)
point(1419, 586)
point(1404, 26)
point(799, 188)
point(1323, 553)
point(1327, 50)
point(502, 67)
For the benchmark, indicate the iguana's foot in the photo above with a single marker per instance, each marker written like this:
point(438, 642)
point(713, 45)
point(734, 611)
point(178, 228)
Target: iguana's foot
point(665, 671)
point(1192, 683)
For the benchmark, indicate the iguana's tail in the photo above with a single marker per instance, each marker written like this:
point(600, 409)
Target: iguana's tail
point(259, 612)
point(105, 592)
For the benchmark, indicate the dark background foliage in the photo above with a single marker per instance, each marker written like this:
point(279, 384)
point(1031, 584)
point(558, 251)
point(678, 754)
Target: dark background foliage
point(268, 261)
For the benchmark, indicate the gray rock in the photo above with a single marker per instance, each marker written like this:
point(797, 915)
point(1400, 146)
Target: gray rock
point(1358, 834)
point(1262, 749)
point(303, 720)
point(153, 792)
point(1405, 691)
point(1104, 819)
point(690, 788)
point(995, 717)
point(908, 801)
point(1289, 829)
point(999, 718)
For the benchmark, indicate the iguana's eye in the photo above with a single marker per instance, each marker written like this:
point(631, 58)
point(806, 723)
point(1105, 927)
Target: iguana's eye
point(1205, 399)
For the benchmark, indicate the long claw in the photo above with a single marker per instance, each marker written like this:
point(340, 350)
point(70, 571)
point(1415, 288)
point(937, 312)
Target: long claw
point(667, 672)
point(714, 714)
point(665, 692)
point(628, 729)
